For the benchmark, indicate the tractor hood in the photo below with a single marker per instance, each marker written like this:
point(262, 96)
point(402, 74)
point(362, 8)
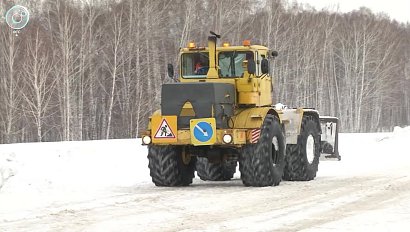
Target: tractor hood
point(208, 100)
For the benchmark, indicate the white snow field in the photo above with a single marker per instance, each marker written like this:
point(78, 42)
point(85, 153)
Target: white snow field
point(105, 186)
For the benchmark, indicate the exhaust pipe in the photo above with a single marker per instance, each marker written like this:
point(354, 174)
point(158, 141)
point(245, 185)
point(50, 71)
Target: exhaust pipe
point(213, 71)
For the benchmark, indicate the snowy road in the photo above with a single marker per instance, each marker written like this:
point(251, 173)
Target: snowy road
point(362, 203)
point(368, 190)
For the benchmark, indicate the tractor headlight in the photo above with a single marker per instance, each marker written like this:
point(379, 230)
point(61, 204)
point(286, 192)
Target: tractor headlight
point(227, 138)
point(146, 140)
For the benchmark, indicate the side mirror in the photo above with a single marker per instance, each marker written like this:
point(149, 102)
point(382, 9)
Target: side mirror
point(171, 71)
point(265, 66)
point(251, 66)
point(274, 54)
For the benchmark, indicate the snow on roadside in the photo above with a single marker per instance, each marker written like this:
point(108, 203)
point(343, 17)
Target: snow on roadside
point(55, 173)
point(385, 155)
point(365, 154)
point(7, 168)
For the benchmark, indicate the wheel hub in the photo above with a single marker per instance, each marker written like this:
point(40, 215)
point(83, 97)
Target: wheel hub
point(275, 143)
point(310, 149)
point(275, 149)
point(186, 158)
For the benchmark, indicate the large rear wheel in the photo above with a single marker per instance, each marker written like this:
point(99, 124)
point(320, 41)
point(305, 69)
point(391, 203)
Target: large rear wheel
point(302, 159)
point(262, 164)
point(169, 166)
point(215, 171)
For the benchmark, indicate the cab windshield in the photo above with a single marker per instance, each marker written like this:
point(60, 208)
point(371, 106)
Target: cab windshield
point(195, 65)
point(230, 63)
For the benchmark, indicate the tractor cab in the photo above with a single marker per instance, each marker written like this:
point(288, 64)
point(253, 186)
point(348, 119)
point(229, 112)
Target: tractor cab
point(245, 67)
point(228, 61)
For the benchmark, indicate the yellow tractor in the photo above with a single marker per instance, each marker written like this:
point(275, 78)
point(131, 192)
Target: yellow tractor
point(221, 113)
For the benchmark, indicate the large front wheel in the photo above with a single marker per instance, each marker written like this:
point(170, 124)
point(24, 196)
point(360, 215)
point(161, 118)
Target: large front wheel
point(262, 164)
point(170, 166)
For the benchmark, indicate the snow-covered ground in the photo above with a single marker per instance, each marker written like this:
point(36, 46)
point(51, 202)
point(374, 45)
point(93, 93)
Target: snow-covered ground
point(105, 186)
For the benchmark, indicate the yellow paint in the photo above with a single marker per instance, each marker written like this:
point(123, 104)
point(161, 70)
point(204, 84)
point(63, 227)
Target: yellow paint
point(248, 98)
point(254, 91)
point(156, 113)
point(158, 122)
point(191, 80)
point(184, 137)
point(265, 90)
point(251, 118)
point(213, 69)
point(238, 135)
point(187, 110)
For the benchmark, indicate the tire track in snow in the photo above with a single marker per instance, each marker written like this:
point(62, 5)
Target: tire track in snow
point(211, 206)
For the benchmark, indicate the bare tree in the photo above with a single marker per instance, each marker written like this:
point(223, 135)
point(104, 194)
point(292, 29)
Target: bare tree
point(114, 60)
point(9, 49)
point(93, 69)
point(38, 83)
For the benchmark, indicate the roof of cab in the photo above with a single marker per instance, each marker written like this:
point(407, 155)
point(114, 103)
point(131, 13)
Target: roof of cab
point(229, 48)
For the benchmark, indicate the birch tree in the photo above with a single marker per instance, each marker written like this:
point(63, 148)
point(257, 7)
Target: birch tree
point(38, 83)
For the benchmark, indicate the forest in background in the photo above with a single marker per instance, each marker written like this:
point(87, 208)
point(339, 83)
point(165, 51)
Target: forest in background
point(85, 70)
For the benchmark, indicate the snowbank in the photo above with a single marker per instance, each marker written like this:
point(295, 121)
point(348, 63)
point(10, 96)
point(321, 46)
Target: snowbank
point(365, 154)
point(36, 175)
point(101, 164)
point(7, 169)
point(401, 132)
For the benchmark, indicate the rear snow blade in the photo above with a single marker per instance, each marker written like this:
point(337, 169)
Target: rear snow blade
point(330, 138)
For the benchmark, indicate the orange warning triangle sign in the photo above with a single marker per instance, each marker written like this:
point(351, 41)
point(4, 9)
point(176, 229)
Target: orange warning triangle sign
point(164, 131)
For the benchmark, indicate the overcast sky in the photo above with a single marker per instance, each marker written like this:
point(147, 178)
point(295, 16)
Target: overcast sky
point(396, 9)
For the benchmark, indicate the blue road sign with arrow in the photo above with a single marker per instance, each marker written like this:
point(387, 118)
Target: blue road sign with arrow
point(203, 131)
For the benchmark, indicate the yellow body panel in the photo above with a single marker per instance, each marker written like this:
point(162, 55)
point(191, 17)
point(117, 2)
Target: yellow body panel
point(248, 98)
point(262, 49)
point(225, 80)
point(213, 69)
point(250, 118)
point(256, 91)
point(239, 136)
point(242, 124)
point(185, 138)
point(265, 88)
point(156, 113)
point(245, 121)
point(187, 110)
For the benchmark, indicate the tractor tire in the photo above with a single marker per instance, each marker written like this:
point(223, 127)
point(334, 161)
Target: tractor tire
point(326, 148)
point(215, 171)
point(302, 159)
point(167, 167)
point(262, 164)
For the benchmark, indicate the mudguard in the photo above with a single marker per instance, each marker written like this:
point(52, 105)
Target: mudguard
point(251, 118)
point(292, 120)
